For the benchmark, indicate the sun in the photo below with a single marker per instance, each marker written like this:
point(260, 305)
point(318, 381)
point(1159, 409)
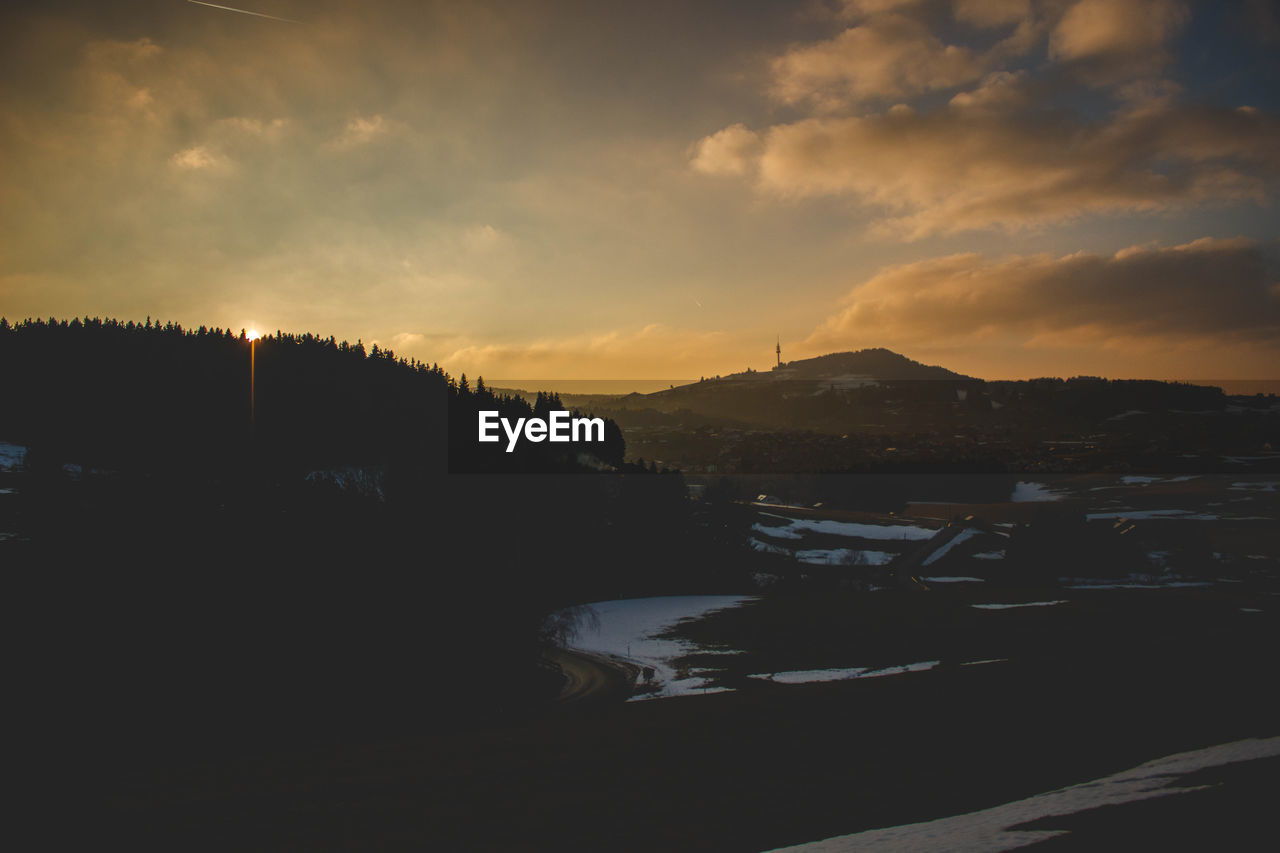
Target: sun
point(252, 334)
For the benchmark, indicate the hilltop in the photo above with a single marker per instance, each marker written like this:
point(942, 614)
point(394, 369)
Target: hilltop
point(793, 394)
point(855, 368)
point(875, 410)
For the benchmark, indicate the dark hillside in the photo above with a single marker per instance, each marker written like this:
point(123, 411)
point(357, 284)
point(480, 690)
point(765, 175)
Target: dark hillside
point(202, 584)
point(875, 363)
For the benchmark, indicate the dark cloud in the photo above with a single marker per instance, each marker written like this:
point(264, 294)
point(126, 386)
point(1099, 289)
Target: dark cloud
point(1219, 292)
point(1002, 151)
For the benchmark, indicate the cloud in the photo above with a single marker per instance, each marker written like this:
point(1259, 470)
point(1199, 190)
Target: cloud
point(1110, 41)
point(992, 13)
point(1001, 92)
point(893, 51)
point(861, 8)
point(246, 127)
point(413, 344)
point(985, 161)
point(198, 158)
point(655, 350)
point(1211, 292)
point(483, 238)
point(128, 52)
point(888, 56)
point(361, 130)
point(727, 152)
point(1018, 147)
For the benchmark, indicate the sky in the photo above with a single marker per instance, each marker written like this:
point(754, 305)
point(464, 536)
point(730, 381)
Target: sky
point(592, 190)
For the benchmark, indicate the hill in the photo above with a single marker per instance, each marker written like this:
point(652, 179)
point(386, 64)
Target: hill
point(877, 410)
point(850, 369)
point(862, 366)
point(806, 393)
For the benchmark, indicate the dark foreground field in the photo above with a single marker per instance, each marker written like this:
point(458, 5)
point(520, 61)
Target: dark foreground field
point(209, 666)
point(765, 767)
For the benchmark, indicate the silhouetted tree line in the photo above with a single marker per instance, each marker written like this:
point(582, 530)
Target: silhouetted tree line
point(468, 455)
point(111, 393)
point(196, 590)
point(824, 405)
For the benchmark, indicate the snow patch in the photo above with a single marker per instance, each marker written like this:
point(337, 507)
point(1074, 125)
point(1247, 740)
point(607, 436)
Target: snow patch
point(988, 830)
point(844, 557)
point(1269, 486)
point(1171, 585)
point(766, 547)
point(797, 527)
point(12, 456)
point(967, 533)
point(628, 629)
point(814, 676)
point(1025, 492)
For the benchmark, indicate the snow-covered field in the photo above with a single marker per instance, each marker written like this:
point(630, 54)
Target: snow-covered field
point(795, 528)
point(794, 531)
point(812, 676)
point(11, 456)
point(629, 629)
point(844, 557)
point(1024, 492)
point(767, 547)
point(963, 535)
point(1142, 480)
point(989, 829)
point(1267, 486)
point(1136, 585)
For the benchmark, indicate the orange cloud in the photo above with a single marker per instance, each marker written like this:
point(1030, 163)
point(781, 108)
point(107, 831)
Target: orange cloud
point(1211, 292)
point(992, 13)
point(1110, 41)
point(361, 130)
point(727, 152)
point(198, 158)
point(889, 55)
point(997, 155)
point(987, 162)
point(651, 352)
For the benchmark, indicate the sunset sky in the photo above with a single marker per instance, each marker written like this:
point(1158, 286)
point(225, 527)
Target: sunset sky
point(601, 189)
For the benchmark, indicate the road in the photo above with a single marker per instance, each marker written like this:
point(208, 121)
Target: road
point(592, 678)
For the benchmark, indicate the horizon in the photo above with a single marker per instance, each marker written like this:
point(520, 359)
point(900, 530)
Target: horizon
point(1074, 188)
point(621, 386)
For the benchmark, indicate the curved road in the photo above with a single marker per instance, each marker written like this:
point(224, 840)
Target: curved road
point(591, 677)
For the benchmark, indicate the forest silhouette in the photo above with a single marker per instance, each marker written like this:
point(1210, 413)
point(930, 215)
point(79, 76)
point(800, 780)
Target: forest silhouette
point(151, 395)
point(327, 574)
